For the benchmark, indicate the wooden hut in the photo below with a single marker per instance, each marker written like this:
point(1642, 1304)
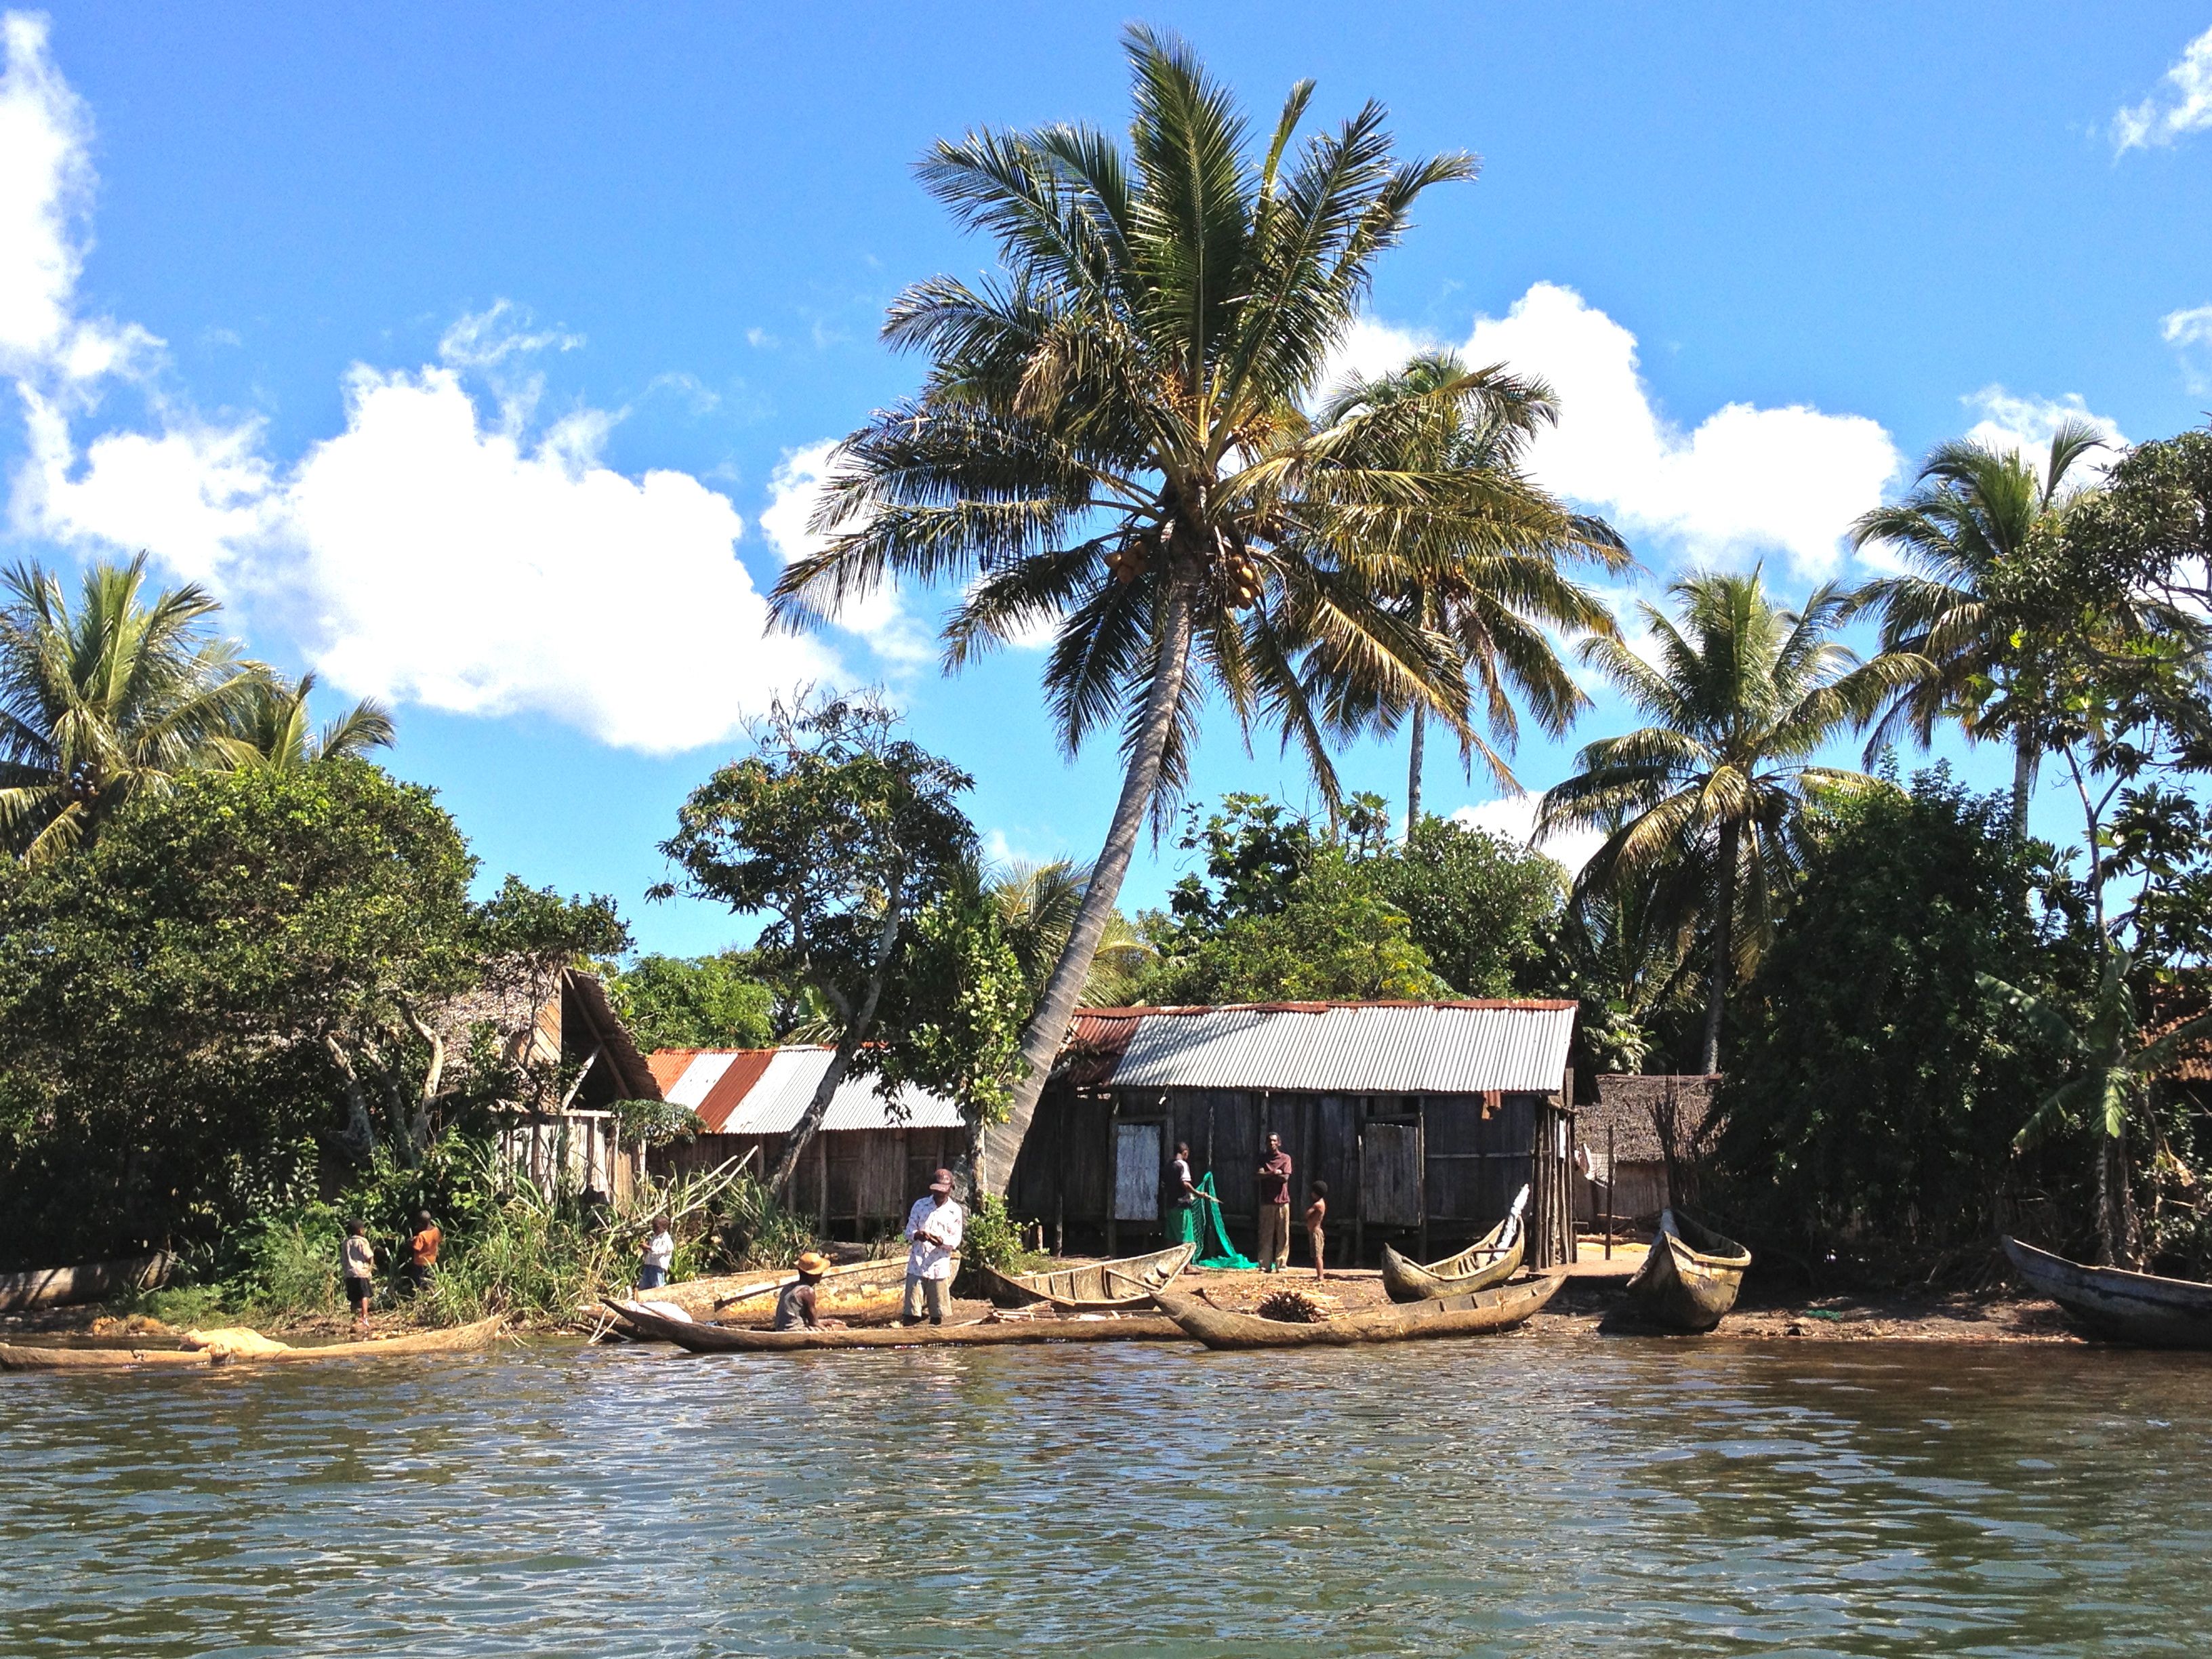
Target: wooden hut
point(1423, 1118)
point(1643, 1134)
point(871, 1159)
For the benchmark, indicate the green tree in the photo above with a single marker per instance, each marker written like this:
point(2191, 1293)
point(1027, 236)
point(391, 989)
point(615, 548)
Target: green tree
point(695, 1002)
point(272, 728)
point(1973, 511)
point(1110, 440)
point(1876, 1090)
point(170, 1000)
point(1493, 587)
point(98, 702)
point(840, 835)
point(1483, 908)
point(1038, 905)
point(1707, 803)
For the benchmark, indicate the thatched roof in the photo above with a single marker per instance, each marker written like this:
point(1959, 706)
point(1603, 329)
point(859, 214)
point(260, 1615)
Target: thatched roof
point(1640, 1109)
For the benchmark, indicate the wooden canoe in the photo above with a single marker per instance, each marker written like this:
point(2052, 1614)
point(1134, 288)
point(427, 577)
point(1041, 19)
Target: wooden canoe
point(1495, 1310)
point(1099, 1287)
point(88, 1281)
point(702, 1338)
point(456, 1340)
point(752, 1295)
point(1491, 1260)
point(2139, 1308)
point(1690, 1277)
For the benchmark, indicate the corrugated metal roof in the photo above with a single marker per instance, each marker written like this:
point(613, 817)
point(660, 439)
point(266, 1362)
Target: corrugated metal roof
point(1095, 1046)
point(668, 1065)
point(765, 1091)
point(1458, 1047)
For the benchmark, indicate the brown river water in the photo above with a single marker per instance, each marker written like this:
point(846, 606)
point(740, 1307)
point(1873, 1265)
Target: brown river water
point(1529, 1495)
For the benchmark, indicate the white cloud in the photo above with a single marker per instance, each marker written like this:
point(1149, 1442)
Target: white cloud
point(1744, 482)
point(483, 338)
point(45, 195)
point(2182, 106)
point(794, 489)
point(2026, 426)
point(2190, 333)
point(1514, 818)
point(426, 558)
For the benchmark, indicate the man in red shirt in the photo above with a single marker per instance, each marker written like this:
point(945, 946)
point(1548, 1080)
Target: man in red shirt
point(1274, 1181)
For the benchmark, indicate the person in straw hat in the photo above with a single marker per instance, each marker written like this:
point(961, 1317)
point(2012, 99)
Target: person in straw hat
point(934, 1228)
point(795, 1310)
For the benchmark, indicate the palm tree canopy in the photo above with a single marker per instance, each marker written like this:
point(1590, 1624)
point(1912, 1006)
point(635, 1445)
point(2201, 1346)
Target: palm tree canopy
point(1742, 694)
point(1038, 905)
point(1489, 588)
point(273, 732)
point(1110, 441)
point(112, 695)
point(1972, 510)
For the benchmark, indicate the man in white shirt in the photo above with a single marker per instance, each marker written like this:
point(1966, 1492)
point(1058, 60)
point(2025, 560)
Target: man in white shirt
point(934, 1228)
point(659, 1257)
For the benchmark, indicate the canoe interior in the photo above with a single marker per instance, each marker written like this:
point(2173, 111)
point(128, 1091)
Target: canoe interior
point(1126, 1282)
point(2141, 1309)
point(1491, 1260)
point(700, 1338)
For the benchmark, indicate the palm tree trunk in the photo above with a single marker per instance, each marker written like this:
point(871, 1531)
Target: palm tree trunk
point(1048, 1028)
point(1724, 946)
point(2117, 1240)
point(1413, 771)
point(2024, 758)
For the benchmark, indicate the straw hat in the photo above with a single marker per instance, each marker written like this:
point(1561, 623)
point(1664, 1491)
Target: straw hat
point(812, 1265)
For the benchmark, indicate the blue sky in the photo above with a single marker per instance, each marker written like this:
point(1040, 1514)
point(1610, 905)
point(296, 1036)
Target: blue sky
point(482, 358)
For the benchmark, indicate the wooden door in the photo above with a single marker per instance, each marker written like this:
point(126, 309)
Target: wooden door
point(1390, 1175)
point(1137, 1171)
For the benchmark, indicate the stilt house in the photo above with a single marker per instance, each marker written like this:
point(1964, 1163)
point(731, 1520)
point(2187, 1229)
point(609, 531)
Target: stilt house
point(1424, 1119)
point(871, 1159)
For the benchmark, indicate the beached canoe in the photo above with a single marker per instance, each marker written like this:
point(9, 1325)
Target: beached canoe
point(1099, 1287)
point(1491, 1260)
point(702, 1338)
point(88, 1281)
point(459, 1339)
point(1689, 1278)
point(752, 1295)
point(2140, 1309)
point(1495, 1310)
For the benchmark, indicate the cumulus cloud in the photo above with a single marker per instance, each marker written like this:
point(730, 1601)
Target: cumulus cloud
point(2025, 425)
point(794, 489)
point(426, 557)
point(1744, 482)
point(2182, 104)
point(45, 198)
point(1513, 817)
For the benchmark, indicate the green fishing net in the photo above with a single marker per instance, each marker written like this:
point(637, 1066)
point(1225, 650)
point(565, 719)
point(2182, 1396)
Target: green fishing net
point(1224, 1255)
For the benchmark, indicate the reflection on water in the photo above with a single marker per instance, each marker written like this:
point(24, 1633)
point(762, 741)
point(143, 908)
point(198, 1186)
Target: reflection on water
point(1523, 1496)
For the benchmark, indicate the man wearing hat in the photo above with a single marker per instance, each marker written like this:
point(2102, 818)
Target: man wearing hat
point(794, 1308)
point(933, 1226)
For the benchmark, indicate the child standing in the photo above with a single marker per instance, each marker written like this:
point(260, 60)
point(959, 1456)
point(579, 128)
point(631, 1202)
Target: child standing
point(660, 1253)
point(358, 1260)
point(1317, 1231)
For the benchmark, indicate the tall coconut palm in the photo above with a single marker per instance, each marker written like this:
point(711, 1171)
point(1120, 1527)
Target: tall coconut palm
point(1972, 509)
point(1486, 587)
point(105, 698)
point(1109, 442)
point(273, 732)
point(1706, 803)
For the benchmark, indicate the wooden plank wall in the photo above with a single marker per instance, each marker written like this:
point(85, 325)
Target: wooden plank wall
point(856, 1182)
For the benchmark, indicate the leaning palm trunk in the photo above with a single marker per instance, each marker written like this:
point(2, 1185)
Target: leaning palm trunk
point(1048, 1028)
point(1724, 946)
point(1414, 771)
point(2024, 758)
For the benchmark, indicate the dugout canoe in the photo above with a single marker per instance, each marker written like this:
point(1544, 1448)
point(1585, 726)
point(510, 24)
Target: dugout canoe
point(88, 1281)
point(458, 1340)
point(1491, 1260)
point(2141, 1309)
point(1690, 1277)
point(752, 1295)
point(1100, 1288)
point(1499, 1308)
point(701, 1338)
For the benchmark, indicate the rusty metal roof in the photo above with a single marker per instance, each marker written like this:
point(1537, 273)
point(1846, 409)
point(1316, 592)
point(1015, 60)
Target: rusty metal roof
point(1439, 1047)
point(765, 1091)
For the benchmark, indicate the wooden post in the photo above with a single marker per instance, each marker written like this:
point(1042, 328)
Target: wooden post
point(1113, 1171)
point(1421, 1168)
point(822, 1182)
point(1360, 1197)
point(1608, 1189)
